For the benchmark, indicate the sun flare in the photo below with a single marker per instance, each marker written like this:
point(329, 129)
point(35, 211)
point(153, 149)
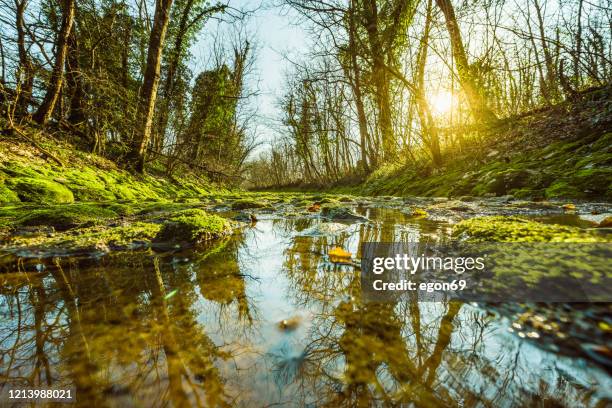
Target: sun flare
point(441, 102)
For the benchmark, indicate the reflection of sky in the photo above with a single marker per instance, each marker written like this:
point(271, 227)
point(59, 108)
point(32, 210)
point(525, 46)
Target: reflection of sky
point(483, 354)
point(276, 33)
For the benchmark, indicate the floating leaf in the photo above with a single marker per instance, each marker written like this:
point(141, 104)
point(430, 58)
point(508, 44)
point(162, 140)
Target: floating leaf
point(339, 255)
point(290, 324)
point(569, 207)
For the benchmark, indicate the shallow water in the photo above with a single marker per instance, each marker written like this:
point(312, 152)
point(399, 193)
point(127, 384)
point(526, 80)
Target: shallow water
point(265, 319)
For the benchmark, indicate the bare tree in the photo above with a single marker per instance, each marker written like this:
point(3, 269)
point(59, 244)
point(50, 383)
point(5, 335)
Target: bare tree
point(45, 110)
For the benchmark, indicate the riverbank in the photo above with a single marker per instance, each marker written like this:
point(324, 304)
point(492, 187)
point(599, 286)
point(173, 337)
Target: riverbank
point(30, 173)
point(563, 152)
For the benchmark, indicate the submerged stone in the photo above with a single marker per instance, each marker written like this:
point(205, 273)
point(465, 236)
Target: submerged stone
point(246, 217)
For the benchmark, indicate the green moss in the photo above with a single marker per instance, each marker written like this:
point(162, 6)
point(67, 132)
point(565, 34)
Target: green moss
point(123, 209)
point(561, 189)
point(328, 200)
point(86, 185)
point(340, 212)
point(580, 168)
point(7, 195)
point(417, 212)
point(87, 240)
point(64, 217)
point(41, 191)
point(302, 203)
point(248, 203)
point(193, 226)
point(162, 207)
point(527, 193)
point(516, 229)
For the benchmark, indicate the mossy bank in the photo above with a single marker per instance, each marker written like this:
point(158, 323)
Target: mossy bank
point(28, 175)
point(561, 152)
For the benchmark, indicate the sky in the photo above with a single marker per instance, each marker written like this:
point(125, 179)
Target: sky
point(276, 32)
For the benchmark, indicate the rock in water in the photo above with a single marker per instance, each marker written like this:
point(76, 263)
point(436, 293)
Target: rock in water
point(189, 227)
point(246, 217)
point(341, 213)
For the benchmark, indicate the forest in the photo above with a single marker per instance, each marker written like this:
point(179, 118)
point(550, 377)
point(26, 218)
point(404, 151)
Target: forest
point(382, 84)
point(196, 198)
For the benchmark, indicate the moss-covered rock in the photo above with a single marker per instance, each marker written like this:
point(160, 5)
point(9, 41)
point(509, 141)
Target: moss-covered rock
point(340, 213)
point(327, 200)
point(248, 203)
point(37, 190)
point(64, 217)
point(516, 229)
point(192, 227)
point(86, 241)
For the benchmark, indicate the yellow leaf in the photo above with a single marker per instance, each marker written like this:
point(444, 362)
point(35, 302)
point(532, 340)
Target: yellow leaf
point(338, 254)
point(569, 207)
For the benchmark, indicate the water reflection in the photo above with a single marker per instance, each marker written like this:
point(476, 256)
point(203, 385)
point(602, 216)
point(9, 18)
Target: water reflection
point(201, 328)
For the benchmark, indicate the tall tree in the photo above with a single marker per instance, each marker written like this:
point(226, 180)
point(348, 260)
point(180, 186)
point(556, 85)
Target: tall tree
point(477, 102)
point(428, 127)
point(25, 73)
point(148, 93)
point(354, 76)
point(190, 15)
point(45, 110)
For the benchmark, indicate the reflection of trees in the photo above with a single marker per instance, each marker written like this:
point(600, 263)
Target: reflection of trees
point(222, 281)
point(358, 353)
point(124, 328)
point(412, 353)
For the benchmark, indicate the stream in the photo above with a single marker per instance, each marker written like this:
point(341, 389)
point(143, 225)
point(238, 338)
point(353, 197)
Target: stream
point(265, 318)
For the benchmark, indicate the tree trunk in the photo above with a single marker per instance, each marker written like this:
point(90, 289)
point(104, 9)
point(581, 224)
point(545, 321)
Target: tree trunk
point(168, 87)
point(364, 137)
point(45, 110)
point(551, 74)
point(148, 92)
point(25, 73)
point(74, 81)
point(430, 133)
point(578, 51)
point(466, 77)
point(380, 80)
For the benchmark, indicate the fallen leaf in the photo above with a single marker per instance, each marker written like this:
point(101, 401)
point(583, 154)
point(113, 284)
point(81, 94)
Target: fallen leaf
point(314, 208)
point(569, 207)
point(290, 324)
point(339, 255)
